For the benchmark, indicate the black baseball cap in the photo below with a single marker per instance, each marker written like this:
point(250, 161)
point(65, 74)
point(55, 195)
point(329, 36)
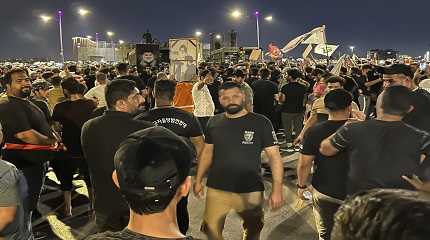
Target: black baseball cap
point(399, 69)
point(151, 164)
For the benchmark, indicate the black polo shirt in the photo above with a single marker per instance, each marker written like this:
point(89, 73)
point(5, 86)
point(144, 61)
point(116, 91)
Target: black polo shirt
point(100, 139)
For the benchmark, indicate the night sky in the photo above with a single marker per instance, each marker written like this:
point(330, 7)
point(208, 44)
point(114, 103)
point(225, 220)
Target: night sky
point(398, 24)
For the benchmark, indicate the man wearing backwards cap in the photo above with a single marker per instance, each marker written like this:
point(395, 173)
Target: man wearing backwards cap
point(151, 171)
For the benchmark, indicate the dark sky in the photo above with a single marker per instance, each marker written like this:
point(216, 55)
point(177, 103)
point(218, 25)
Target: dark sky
point(398, 24)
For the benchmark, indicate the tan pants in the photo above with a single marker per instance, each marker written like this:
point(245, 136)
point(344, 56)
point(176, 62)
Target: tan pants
point(249, 206)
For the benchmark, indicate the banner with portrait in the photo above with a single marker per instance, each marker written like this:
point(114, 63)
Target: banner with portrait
point(147, 56)
point(184, 57)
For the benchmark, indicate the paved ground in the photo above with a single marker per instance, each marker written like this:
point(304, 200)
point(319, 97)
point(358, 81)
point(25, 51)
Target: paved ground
point(293, 221)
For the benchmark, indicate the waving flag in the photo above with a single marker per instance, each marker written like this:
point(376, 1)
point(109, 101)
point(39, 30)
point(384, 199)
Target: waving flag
point(325, 49)
point(317, 35)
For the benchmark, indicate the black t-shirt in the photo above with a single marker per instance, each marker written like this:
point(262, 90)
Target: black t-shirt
point(264, 92)
point(128, 235)
point(238, 143)
point(44, 107)
point(177, 120)
point(19, 115)
point(213, 89)
point(330, 173)
point(420, 116)
point(100, 138)
point(72, 115)
point(381, 152)
point(294, 97)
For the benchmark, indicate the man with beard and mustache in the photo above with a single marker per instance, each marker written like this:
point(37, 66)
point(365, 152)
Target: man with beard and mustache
point(28, 136)
point(100, 138)
point(234, 141)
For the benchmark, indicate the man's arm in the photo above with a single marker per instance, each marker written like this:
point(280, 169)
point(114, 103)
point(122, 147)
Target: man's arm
point(281, 97)
point(203, 165)
point(198, 143)
point(327, 148)
point(275, 161)
point(7, 215)
point(34, 137)
point(371, 83)
point(312, 120)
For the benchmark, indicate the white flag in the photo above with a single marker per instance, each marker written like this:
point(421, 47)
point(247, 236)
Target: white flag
point(307, 51)
point(296, 41)
point(317, 36)
point(338, 66)
point(325, 49)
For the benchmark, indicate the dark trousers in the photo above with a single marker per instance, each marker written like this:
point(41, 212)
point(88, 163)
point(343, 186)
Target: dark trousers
point(292, 122)
point(324, 208)
point(63, 169)
point(182, 215)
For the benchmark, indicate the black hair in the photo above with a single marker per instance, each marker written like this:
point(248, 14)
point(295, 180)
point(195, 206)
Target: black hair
point(383, 214)
point(264, 73)
point(165, 89)
point(308, 70)
point(343, 70)
point(321, 66)
point(294, 73)
point(118, 90)
point(239, 73)
point(335, 79)
point(56, 81)
point(73, 86)
point(355, 71)
point(318, 71)
point(205, 72)
point(396, 100)
point(366, 66)
point(253, 71)
point(337, 100)
point(122, 67)
point(7, 79)
point(229, 85)
point(47, 75)
point(72, 68)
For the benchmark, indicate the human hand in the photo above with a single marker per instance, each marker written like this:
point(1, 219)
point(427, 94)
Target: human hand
point(276, 199)
point(198, 189)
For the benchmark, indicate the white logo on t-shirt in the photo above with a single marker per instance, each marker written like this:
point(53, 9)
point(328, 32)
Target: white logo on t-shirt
point(248, 136)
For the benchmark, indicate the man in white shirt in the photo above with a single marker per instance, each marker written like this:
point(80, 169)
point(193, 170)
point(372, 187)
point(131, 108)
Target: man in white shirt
point(98, 92)
point(204, 106)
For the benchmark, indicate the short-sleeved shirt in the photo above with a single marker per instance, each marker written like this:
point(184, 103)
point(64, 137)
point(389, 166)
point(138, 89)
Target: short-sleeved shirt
point(128, 235)
point(294, 97)
point(72, 115)
point(177, 120)
point(238, 143)
point(264, 95)
point(330, 173)
point(380, 152)
point(19, 115)
point(12, 192)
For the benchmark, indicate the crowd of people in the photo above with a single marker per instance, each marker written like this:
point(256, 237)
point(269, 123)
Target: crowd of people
point(361, 134)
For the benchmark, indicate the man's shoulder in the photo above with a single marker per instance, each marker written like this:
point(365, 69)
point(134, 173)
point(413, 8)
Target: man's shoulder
point(123, 235)
point(9, 174)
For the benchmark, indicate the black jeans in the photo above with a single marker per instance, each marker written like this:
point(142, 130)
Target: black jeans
point(182, 215)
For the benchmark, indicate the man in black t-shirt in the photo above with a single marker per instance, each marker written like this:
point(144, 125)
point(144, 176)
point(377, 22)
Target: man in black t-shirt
point(330, 173)
point(293, 97)
point(182, 123)
point(152, 173)
point(383, 150)
point(264, 95)
point(234, 141)
point(25, 126)
point(100, 139)
point(419, 117)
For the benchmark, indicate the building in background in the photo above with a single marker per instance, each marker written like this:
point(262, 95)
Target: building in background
point(382, 54)
point(84, 49)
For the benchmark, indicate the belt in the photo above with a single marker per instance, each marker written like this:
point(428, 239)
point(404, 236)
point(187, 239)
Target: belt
point(33, 147)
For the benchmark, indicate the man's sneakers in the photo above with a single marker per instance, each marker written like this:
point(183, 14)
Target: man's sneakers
point(290, 148)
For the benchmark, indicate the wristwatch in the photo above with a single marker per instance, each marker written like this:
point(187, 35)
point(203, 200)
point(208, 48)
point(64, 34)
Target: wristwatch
point(301, 187)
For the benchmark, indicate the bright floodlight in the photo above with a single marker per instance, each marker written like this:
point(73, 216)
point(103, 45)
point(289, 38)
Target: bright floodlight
point(236, 14)
point(218, 36)
point(89, 37)
point(120, 41)
point(198, 33)
point(45, 18)
point(352, 48)
point(269, 18)
point(110, 34)
point(83, 12)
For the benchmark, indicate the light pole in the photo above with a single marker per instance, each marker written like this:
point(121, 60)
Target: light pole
point(352, 50)
point(60, 19)
point(110, 35)
point(257, 15)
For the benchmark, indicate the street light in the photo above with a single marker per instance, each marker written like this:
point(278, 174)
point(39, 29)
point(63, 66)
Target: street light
point(269, 18)
point(45, 18)
point(110, 35)
point(198, 33)
point(89, 37)
point(352, 50)
point(120, 41)
point(83, 12)
point(236, 13)
point(218, 36)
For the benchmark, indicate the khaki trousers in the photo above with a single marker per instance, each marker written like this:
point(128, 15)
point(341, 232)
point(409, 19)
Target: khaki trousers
point(249, 206)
